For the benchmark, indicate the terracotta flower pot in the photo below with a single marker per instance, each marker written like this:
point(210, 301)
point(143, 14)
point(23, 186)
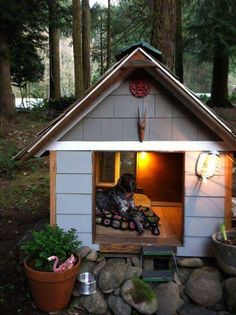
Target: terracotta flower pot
point(225, 253)
point(51, 291)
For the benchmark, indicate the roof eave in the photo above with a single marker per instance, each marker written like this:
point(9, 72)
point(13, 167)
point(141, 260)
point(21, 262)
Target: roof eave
point(46, 134)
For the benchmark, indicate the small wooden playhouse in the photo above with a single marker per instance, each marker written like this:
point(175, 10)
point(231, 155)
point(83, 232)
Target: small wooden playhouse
point(97, 139)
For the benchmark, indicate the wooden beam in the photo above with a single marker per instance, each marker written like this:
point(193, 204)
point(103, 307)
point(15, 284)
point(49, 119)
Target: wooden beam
point(94, 198)
point(139, 64)
point(228, 189)
point(139, 240)
point(120, 248)
point(53, 171)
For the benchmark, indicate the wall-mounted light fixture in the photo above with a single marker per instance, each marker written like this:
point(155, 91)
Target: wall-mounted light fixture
point(208, 164)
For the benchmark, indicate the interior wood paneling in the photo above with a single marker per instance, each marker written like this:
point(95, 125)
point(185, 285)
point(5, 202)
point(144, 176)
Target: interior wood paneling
point(161, 175)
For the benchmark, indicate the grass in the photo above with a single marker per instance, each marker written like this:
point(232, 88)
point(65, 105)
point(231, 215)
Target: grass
point(141, 291)
point(29, 191)
point(24, 186)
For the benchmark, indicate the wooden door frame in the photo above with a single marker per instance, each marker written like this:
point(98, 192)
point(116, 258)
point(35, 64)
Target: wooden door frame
point(117, 244)
point(53, 175)
point(228, 188)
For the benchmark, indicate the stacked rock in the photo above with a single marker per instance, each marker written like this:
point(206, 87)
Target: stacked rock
point(198, 288)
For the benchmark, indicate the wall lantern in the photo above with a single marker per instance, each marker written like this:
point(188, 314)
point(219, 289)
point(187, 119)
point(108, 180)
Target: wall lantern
point(208, 164)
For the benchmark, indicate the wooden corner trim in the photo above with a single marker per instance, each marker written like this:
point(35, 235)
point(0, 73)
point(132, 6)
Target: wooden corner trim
point(53, 172)
point(228, 189)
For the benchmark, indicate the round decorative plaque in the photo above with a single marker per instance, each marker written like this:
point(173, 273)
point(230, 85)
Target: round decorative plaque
point(139, 87)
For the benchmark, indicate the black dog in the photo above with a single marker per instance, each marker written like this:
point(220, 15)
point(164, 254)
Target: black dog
point(119, 199)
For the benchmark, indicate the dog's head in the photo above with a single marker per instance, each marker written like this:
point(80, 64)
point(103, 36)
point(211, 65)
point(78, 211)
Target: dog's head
point(126, 183)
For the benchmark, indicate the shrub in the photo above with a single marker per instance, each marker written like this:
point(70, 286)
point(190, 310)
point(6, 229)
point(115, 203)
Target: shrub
point(233, 97)
point(52, 240)
point(7, 165)
point(204, 98)
point(63, 103)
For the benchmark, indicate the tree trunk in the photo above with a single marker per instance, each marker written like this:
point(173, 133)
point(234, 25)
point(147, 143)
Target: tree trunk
point(108, 34)
point(86, 42)
point(163, 30)
point(6, 100)
point(101, 47)
point(54, 52)
point(219, 87)
point(77, 48)
point(179, 42)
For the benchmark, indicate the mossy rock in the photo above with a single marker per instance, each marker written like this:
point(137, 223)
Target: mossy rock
point(139, 295)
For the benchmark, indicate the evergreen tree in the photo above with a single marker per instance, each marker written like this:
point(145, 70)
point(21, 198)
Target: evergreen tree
point(86, 42)
point(108, 34)
point(77, 49)
point(17, 18)
point(26, 64)
point(211, 27)
point(54, 50)
point(179, 41)
point(163, 31)
point(135, 26)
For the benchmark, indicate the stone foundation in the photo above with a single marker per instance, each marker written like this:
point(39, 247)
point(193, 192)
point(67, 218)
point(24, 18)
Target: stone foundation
point(198, 288)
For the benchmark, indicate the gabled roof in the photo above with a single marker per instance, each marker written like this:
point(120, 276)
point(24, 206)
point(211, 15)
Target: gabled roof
point(138, 58)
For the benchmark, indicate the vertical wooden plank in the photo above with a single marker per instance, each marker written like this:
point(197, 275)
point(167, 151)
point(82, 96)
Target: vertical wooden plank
point(228, 188)
point(183, 214)
point(53, 171)
point(94, 161)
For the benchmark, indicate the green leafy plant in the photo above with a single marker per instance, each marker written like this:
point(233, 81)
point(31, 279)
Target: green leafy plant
point(52, 240)
point(233, 97)
point(204, 98)
point(141, 291)
point(63, 103)
point(223, 231)
point(7, 165)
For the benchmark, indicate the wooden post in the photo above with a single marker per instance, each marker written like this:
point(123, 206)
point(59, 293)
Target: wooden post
point(94, 198)
point(228, 189)
point(53, 172)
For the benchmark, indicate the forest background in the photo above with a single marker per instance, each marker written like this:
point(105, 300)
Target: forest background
point(45, 45)
point(54, 50)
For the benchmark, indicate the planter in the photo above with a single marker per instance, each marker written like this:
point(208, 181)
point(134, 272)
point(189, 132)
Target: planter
point(225, 252)
point(51, 291)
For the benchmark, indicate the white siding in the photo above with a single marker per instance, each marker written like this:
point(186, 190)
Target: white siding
point(204, 209)
point(74, 193)
point(74, 183)
point(197, 226)
point(81, 222)
point(196, 246)
point(74, 163)
point(74, 203)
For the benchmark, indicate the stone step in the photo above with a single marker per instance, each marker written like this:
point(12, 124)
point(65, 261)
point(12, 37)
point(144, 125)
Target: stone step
point(158, 276)
point(157, 251)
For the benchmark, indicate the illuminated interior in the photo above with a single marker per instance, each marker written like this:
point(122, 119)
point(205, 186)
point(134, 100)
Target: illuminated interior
point(158, 175)
point(159, 179)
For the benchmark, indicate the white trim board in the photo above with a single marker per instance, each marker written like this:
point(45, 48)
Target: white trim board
point(164, 146)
